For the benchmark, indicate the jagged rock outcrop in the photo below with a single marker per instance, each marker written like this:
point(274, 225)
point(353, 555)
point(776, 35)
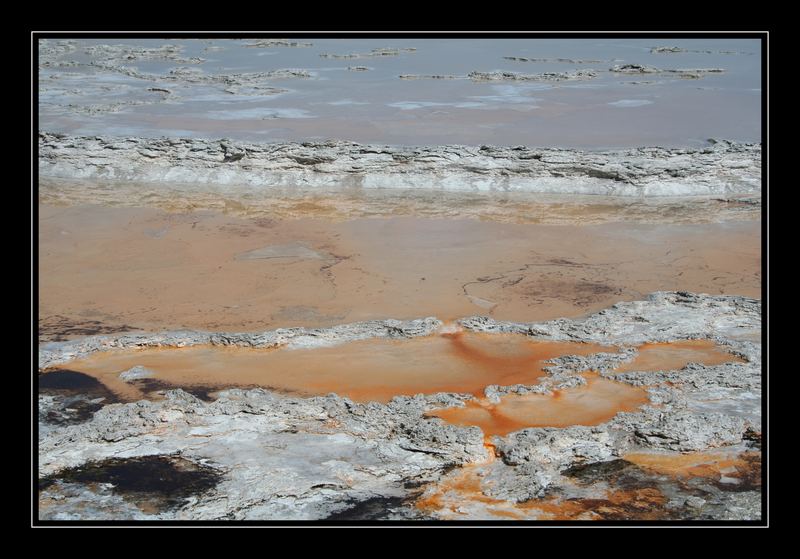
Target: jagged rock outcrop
point(722, 168)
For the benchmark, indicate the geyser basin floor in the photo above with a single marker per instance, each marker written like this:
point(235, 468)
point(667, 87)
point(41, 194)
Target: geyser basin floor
point(367, 370)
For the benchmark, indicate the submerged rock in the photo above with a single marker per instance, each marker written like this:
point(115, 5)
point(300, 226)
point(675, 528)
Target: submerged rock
point(136, 373)
point(269, 43)
point(543, 77)
point(559, 60)
point(686, 73)
point(634, 69)
point(376, 52)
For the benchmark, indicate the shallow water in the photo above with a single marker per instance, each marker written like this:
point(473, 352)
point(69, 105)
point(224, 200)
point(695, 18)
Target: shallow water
point(342, 203)
point(375, 105)
point(676, 355)
point(110, 269)
point(367, 370)
point(596, 402)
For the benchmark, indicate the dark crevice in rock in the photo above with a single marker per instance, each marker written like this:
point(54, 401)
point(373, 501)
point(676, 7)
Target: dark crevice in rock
point(157, 481)
point(147, 385)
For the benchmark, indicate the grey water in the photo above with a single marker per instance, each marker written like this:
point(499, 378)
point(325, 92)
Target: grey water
point(79, 96)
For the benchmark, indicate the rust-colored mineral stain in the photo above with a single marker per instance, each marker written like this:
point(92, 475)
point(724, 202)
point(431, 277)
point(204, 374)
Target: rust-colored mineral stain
point(675, 355)
point(594, 403)
point(461, 493)
point(645, 503)
point(465, 483)
point(554, 509)
point(447, 497)
point(365, 370)
point(511, 363)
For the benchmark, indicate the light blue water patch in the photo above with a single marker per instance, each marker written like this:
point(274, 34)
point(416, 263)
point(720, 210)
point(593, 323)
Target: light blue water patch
point(512, 93)
point(345, 102)
point(216, 97)
point(584, 85)
point(625, 103)
point(412, 105)
point(258, 113)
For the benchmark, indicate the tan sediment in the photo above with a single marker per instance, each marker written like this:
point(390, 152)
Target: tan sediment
point(675, 355)
point(106, 269)
point(366, 370)
point(596, 402)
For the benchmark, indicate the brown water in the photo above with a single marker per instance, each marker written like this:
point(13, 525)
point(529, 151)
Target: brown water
point(366, 370)
point(594, 403)
point(675, 355)
point(342, 204)
point(109, 269)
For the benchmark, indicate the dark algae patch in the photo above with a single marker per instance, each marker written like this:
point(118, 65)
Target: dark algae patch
point(76, 396)
point(637, 493)
point(71, 411)
point(375, 508)
point(153, 483)
point(60, 328)
point(634, 493)
point(64, 380)
point(207, 392)
point(624, 474)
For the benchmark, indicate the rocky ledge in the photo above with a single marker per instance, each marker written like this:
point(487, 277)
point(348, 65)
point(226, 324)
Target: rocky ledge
point(721, 168)
point(255, 454)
